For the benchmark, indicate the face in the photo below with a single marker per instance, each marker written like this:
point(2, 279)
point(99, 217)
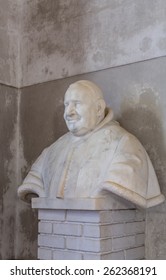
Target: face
point(80, 111)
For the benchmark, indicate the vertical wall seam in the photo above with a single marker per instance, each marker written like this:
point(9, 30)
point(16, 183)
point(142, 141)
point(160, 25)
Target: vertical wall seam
point(18, 138)
point(20, 34)
point(18, 134)
point(17, 168)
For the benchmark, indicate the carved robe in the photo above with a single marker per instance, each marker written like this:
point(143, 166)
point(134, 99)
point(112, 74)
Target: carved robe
point(108, 159)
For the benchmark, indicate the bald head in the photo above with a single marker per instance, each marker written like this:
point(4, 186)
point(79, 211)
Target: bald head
point(84, 107)
point(88, 87)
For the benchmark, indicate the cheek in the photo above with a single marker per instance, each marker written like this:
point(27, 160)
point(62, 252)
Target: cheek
point(92, 114)
point(84, 110)
point(89, 119)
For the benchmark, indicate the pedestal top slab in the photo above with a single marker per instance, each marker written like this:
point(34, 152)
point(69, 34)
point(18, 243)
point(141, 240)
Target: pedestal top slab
point(107, 203)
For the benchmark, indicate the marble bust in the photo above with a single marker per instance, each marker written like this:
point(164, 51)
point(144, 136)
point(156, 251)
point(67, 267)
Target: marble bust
point(95, 158)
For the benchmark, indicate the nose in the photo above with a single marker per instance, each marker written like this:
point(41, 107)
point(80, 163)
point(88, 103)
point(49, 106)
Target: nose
point(70, 109)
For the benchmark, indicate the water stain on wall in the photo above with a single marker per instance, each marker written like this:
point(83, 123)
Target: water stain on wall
point(143, 105)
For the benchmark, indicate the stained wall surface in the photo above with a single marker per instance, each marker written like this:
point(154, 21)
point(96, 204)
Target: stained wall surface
point(136, 92)
point(65, 38)
point(8, 184)
point(17, 220)
point(10, 34)
point(46, 41)
point(46, 45)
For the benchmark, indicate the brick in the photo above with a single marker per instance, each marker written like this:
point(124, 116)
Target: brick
point(90, 216)
point(44, 254)
point(105, 244)
point(114, 256)
point(108, 230)
point(127, 228)
point(67, 229)
point(135, 253)
point(128, 215)
point(135, 227)
point(83, 216)
point(118, 230)
point(45, 227)
point(106, 216)
point(66, 255)
point(121, 216)
point(105, 256)
point(83, 244)
point(51, 215)
point(88, 244)
point(91, 256)
point(123, 242)
point(52, 241)
point(114, 230)
point(91, 230)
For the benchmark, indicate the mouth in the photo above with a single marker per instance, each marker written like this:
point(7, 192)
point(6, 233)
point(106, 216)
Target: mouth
point(72, 119)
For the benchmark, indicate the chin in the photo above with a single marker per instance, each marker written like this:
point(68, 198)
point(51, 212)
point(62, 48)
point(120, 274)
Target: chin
point(76, 133)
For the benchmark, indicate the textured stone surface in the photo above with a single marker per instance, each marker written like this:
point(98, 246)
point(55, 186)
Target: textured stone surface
point(10, 33)
point(65, 38)
point(17, 220)
point(8, 178)
point(77, 240)
point(43, 41)
point(155, 234)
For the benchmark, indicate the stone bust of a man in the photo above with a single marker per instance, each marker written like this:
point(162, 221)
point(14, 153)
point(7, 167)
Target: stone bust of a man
point(95, 158)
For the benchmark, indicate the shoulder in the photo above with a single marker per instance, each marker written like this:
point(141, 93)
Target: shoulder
point(58, 145)
point(59, 142)
point(114, 130)
point(126, 140)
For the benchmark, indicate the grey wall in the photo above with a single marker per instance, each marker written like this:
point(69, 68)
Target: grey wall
point(65, 38)
point(17, 220)
point(8, 185)
point(47, 40)
point(46, 45)
point(10, 38)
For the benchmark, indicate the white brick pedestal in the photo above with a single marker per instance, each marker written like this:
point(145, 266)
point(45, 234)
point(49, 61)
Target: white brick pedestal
point(96, 229)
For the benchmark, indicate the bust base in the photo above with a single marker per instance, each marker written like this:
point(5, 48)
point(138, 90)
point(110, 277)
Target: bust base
point(89, 229)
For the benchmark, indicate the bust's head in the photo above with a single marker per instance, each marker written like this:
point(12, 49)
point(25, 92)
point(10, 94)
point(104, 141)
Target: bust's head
point(84, 107)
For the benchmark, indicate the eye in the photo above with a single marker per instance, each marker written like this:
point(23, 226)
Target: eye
point(77, 103)
point(66, 104)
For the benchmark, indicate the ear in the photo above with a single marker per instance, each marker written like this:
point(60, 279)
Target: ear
point(101, 105)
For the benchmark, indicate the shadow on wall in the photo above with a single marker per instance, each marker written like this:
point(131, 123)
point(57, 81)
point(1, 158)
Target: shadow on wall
point(144, 120)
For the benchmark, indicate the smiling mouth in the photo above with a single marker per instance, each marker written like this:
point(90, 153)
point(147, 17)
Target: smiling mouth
point(74, 119)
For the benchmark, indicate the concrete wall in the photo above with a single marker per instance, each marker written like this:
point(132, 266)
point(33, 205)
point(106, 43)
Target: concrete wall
point(8, 132)
point(10, 37)
point(17, 220)
point(64, 38)
point(121, 45)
